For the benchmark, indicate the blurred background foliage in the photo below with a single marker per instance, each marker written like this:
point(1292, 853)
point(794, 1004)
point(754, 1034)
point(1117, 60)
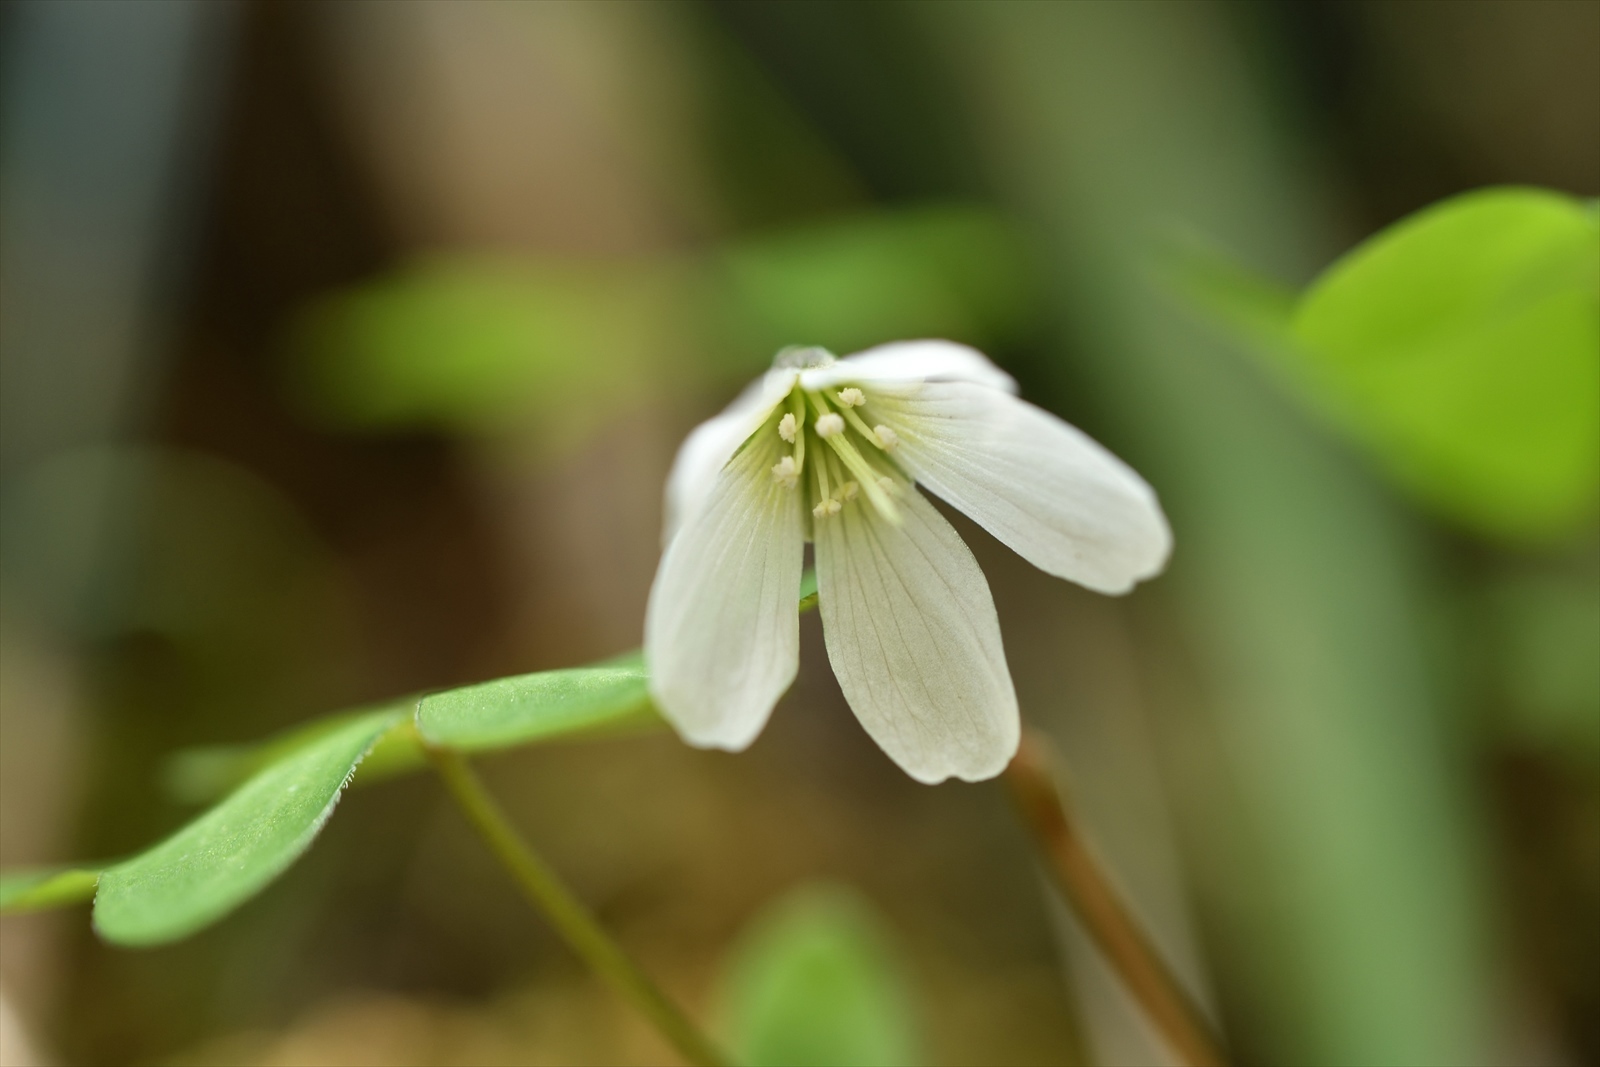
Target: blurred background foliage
point(343, 352)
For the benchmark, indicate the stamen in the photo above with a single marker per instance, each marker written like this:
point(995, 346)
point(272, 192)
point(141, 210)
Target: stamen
point(829, 425)
point(887, 484)
point(852, 397)
point(857, 464)
point(797, 411)
point(786, 427)
point(850, 490)
point(826, 508)
point(860, 426)
point(786, 472)
point(887, 438)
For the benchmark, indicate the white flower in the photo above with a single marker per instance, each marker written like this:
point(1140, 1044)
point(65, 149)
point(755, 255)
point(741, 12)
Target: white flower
point(832, 450)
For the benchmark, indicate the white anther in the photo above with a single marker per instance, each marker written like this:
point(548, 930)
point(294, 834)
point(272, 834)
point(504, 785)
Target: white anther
point(786, 427)
point(849, 490)
point(852, 397)
point(886, 437)
point(785, 472)
point(830, 424)
point(888, 485)
point(826, 508)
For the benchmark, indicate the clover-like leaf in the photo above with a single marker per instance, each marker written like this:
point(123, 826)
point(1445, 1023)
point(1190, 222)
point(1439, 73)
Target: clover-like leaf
point(814, 983)
point(535, 707)
point(204, 773)
point(237, 848)
point(1462, 346)
point(283, 790)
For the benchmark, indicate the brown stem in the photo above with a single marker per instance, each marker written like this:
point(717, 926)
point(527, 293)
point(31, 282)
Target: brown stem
point(1083, 882)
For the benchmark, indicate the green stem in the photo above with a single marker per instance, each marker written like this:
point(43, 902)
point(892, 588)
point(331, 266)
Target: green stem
point(545, 891)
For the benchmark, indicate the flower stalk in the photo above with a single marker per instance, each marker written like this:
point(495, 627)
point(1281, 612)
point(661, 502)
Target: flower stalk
point(1089, 892)
point(583, 933)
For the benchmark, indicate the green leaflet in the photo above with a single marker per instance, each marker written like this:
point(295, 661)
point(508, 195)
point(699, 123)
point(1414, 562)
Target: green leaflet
point(503, 713)
point(206, 772)
point(284, 789)
point(233, 851)
point(535, 707)
point(489, 715)
point(813, 983)
point(52, 887)
point(1463, 346)
point(1460, 347)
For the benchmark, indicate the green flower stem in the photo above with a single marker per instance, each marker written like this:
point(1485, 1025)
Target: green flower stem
point(1090, 894)
point(572, 920)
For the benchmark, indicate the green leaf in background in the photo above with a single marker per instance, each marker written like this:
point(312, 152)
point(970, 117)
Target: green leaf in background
point(53, 887)
point(937, 271)
point(812, 983)
point(236, 849)
point(482, 342)
point(476, 341)
point(1462, 345)
point(535, 707)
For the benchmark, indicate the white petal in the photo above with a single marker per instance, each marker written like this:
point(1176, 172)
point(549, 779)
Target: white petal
point(1044, 488)
point(912, 634)
point(910, 361)
point(722, 630)
point(709, 446)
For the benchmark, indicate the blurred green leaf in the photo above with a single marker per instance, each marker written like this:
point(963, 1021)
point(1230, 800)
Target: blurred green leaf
point(536, 707)
point(236, 849)
point(482, 342)
point(954, 272)
point(53, 887)
point(1463, 346)
point(1460, 346)
point(813, 983)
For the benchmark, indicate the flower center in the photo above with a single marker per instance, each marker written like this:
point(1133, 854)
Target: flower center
point(849, 455)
